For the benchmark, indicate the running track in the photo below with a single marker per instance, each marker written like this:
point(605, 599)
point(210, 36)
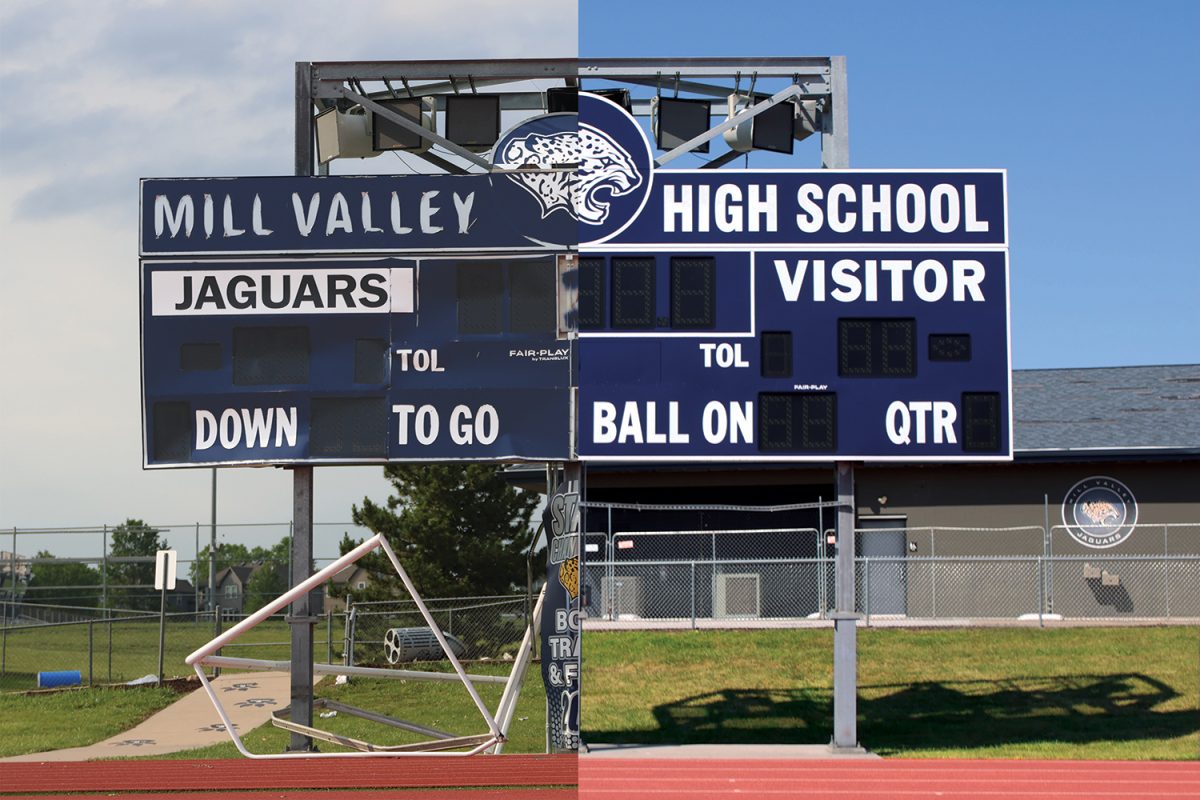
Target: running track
point(543, 778)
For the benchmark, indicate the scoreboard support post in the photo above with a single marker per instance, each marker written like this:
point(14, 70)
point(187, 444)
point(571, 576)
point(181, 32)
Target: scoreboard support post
point(845, 620)
point(301, 619)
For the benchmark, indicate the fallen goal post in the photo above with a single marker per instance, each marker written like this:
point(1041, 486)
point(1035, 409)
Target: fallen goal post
point(436, 742)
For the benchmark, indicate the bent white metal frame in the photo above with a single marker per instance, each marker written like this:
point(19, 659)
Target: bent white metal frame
point(497, 724)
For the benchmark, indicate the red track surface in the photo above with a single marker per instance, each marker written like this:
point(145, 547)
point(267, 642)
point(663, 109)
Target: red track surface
point(671, 779)
point(606, 779)
point(307, 773)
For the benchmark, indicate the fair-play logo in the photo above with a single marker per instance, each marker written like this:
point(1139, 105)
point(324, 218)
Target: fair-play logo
point(595, 166)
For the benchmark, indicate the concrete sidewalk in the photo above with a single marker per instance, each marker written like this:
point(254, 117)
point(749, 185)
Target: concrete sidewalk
point(247, 697)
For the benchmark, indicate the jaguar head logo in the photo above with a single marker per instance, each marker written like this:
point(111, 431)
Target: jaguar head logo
point(599, 169)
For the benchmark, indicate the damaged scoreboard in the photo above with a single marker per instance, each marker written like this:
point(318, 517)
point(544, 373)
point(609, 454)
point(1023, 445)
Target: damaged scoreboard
point(352, 320)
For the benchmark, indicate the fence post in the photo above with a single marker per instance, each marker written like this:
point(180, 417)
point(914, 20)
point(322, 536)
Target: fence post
point(110, 631)
point(90, 651)
point(1041, 562)
point(1166, 575)
point(104, 567)
point(867, 589)
point(329, 636)
point(4, 643)
point(933, 565)
point(693, 595)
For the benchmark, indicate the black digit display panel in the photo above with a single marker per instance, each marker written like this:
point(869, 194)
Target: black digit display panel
point(633, 293)
point(949, 347)
point(797, 422)
point(693, 293)
point(981, 421)
point(877, 347)
point(591, 294)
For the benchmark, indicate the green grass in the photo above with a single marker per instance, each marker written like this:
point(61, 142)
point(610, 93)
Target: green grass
point(40, 722)
point(132, 650)
point(1104, 693)
point(445, 706)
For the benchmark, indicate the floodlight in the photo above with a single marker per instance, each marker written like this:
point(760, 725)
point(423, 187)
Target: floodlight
point(562, 100)
point(774, 128)
point(344, 134)
point(387, 135)
point(681, 121)
point(619, 96)
point(808, 119)
point(473, 120)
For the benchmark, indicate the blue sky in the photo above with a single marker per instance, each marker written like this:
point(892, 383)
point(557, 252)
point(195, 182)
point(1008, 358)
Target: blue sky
point(1090, 106)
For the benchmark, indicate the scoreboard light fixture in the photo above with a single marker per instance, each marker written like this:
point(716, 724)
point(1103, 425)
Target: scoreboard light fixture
point(619, 96)
point(344, 134)
point(473, 120)
point(387, 135)
point(775, 128)
point(562, 100)
point(681, 120)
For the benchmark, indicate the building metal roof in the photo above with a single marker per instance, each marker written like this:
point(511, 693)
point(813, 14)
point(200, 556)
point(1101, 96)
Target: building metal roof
point(1131, 411)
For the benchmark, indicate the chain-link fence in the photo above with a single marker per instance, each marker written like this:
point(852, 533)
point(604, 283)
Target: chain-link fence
point(901, 572)
point(83, 567)
point(125, 648)
point(389, 632)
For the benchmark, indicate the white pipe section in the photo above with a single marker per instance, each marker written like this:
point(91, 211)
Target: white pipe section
point(287, 597)
point(339, 669)
point(437, 632)
point(516, 679)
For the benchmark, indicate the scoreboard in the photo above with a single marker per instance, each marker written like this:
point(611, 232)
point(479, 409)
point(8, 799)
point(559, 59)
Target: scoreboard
point(577, 303)
point(352, 321)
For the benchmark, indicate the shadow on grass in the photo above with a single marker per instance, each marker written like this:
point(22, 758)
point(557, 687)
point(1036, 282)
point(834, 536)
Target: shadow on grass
point(1073, 709)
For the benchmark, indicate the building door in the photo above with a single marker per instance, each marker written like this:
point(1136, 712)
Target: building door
point(885, 582)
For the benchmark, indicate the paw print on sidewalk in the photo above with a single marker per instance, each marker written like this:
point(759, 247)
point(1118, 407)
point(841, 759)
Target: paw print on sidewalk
point(240, 687)
point(216, 727)
point(133, 742)
point(256, 702)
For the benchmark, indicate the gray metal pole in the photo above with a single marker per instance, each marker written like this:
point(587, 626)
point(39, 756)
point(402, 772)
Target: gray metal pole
point(104, 570)
point(835, 121)
point(301, 619)
point(162, 629)
point(845, 632)
point(212, 558)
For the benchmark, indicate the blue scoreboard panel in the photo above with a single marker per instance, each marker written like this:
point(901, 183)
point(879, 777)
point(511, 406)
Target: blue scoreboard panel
point(355, 360)
point(794, 355)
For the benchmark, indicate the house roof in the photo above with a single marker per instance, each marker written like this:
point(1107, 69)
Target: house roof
point(1132, 411)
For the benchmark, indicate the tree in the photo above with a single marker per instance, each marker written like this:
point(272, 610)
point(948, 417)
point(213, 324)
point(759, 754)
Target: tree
point(459, 529)
point(63, 583)
point(265, 584)
point(134, 583)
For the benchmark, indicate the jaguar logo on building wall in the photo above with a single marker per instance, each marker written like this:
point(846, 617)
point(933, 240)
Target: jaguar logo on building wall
point(603, 161)
point(1100, 512)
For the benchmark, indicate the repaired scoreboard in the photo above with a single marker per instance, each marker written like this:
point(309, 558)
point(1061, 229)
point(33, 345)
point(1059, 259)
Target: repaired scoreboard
point(795, 315)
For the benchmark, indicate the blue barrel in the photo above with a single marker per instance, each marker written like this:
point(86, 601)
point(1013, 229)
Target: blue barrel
point(62, 677)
